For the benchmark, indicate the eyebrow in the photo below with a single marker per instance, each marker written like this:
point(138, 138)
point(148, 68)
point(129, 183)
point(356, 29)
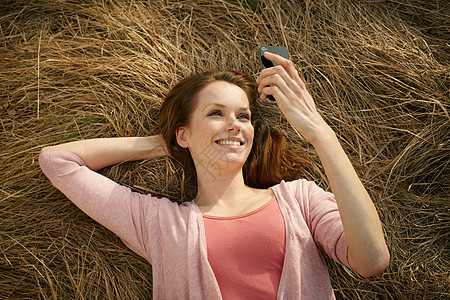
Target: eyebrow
point(222, 105)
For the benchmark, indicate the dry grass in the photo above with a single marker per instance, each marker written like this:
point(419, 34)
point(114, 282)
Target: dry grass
point(379, 71)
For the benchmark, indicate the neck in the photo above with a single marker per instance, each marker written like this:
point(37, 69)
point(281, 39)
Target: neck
point(221, 188)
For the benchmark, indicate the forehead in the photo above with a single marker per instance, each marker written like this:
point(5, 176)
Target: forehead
point(222, 92)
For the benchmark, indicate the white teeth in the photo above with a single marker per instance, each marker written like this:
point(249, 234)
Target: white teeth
point(237, 143)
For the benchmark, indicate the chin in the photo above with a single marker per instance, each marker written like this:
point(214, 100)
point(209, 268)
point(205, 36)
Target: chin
point(220, 160)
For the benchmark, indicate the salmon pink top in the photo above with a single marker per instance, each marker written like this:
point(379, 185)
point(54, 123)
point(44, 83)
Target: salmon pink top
point(246, 252)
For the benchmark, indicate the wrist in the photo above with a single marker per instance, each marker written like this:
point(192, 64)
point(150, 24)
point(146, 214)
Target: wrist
point(322, 137)
point(328, 147)
point(152, 147)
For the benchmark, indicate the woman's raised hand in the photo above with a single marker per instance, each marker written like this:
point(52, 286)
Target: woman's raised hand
point(367, 251)
point(292, 97)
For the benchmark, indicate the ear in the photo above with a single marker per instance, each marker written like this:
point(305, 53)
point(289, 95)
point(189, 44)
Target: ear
point(182, 136)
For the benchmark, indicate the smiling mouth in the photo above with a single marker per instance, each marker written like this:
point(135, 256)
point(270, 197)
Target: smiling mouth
point(225, 142)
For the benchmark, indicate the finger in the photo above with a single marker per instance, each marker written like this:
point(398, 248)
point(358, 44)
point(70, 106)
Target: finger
point(296, 84)
point(264, 96)
point(277, 80)
point(274, 85)
point(279, 60)
point(280, 98)
point(275, 92)
point(290, 88)
point(276, 75)
point(287, 64)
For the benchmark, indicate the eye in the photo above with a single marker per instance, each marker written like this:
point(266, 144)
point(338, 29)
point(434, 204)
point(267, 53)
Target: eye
point(215, 113)
point(244, 116)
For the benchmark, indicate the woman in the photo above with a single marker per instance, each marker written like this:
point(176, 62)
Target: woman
point(244, 236)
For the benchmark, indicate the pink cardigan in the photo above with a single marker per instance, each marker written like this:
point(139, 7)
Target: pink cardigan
point(171, 236)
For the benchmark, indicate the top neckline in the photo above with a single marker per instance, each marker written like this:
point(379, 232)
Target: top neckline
point(256, 210)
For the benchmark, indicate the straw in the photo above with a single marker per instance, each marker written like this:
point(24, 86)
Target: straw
point(71, 70)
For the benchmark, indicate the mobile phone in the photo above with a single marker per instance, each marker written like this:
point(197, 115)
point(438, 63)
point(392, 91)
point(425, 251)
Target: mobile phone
point(265, 63)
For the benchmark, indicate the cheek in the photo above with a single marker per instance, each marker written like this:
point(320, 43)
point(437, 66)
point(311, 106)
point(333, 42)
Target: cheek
point(205, 131)
point(249, 132)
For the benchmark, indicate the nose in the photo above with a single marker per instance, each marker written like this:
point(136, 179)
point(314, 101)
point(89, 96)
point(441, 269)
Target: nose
point(233, 125)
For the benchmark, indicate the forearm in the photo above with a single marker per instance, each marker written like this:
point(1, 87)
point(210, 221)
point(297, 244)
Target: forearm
point(367, 250)
point(100, 153)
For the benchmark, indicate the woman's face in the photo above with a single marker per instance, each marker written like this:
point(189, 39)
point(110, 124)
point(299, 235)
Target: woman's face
point(220, 134)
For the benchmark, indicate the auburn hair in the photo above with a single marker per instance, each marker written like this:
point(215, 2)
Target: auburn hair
point(270, 159)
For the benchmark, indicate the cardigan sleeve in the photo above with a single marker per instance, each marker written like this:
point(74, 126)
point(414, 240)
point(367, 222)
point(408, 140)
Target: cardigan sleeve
point(322, 216)
point(116, 207)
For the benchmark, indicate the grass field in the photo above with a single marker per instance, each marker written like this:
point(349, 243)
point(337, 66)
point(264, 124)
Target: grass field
point(378, 71)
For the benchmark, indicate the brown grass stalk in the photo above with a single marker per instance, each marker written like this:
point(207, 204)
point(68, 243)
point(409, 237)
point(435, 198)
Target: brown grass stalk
point(379, 71)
